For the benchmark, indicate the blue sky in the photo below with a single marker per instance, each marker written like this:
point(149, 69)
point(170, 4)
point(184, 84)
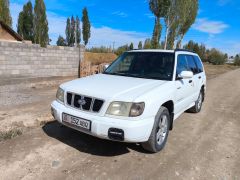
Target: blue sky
point(125, 21)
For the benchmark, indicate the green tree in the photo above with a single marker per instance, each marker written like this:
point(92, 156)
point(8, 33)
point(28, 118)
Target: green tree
point(61, 41)
point(156, 34)
point(147, 44)
point(131, 47)
point(188, 17)
point(25, 22)
point(68, 32)
point(5, 15)
point(172, 19)
point(86, 26)
point(40, 24)
point(122, 49)
point(237, 60)
point(216, 57)
point(78, 30)
point(140, 46)
point(159, 9)
point(72, 31)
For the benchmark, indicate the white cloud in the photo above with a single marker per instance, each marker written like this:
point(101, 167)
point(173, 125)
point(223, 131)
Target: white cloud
point(223, 2)
point(149, 15)
point(208, 26)
point(106, 36)
point(56, 25)
point(121, 14)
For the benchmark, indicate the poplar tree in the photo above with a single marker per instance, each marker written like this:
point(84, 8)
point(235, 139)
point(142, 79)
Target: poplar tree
point(140, 46)
point(147, 44)
point(78, 29)
point(5, 15)
point(86, 26)
point(68, 32)
point(159, 9)
point(189, 11)
point(40, 24)
point(131, 47)
point(25, 22)
point(72, 31)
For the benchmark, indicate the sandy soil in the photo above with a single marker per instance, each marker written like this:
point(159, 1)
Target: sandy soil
point(201, 146)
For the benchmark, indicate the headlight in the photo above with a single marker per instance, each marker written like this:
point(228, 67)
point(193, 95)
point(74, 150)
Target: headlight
point(60, 95)
point(125, 109)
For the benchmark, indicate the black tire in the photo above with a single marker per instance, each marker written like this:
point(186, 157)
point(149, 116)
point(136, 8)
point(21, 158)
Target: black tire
point(152, 145)
point(198, 104)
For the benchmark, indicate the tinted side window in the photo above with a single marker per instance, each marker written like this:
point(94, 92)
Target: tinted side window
point(182, 64)
point(191, 64)
point(199, 64)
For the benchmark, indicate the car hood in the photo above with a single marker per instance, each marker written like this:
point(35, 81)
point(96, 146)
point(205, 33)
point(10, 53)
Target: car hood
point(112, 87)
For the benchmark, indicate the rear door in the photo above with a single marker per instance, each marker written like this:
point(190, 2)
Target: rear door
point(201, 74)
point(192, 66)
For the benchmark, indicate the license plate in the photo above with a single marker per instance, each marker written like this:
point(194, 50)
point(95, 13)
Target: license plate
point(76, 121)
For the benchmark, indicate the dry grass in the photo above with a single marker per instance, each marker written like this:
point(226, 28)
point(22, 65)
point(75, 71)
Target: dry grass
point(213, 71)
point(10, 134)
point(98, 58)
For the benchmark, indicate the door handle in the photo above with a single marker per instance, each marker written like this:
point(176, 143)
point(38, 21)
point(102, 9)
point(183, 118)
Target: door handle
point(190, 81)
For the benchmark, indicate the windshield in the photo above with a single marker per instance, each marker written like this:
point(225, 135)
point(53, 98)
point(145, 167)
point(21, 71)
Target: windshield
point(149, 65)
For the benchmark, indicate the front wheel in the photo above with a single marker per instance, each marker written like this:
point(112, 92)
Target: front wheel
point(159, 134)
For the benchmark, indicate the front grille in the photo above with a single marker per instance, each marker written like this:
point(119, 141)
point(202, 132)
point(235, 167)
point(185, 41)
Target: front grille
point(84, 103)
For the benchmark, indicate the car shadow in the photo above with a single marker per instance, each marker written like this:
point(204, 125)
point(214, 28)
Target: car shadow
point(86, 143)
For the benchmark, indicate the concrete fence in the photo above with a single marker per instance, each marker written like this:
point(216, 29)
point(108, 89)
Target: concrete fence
point(20, 59)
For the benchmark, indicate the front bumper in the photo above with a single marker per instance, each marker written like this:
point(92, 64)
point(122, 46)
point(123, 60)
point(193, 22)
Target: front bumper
point(134, 130)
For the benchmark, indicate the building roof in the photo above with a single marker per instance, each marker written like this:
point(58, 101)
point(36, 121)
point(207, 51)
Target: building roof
point(11, 31)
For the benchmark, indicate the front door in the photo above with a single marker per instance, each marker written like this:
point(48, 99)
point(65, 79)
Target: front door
point(184, 87)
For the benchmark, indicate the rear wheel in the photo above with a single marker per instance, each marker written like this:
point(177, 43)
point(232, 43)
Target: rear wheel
point(159, 134)
point(198, 104)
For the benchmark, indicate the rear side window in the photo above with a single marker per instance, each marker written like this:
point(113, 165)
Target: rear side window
point(182, 64)
point(191, 64)
point(199, 64)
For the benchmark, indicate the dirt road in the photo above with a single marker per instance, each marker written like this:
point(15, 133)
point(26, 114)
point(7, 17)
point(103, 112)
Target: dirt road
point(201, 146)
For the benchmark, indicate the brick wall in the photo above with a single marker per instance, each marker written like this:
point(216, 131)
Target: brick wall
point(20, 59)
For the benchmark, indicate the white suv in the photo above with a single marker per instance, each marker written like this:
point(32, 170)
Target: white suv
point(136, 99)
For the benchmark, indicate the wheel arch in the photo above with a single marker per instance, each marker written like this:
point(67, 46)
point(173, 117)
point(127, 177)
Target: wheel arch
point(170, 106)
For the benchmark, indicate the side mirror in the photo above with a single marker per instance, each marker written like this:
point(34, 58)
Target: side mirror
point(185, 75)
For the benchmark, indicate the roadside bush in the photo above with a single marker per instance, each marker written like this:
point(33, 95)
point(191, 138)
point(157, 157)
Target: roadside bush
point(216, 57)
point(237, 60)
point(101, 49)
point(121, 50)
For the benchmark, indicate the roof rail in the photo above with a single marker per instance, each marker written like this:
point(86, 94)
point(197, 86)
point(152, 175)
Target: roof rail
point(185, 50)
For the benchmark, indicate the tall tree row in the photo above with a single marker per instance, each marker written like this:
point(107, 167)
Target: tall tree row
point(5, 15)
point(73, 30)
point(25, 22)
